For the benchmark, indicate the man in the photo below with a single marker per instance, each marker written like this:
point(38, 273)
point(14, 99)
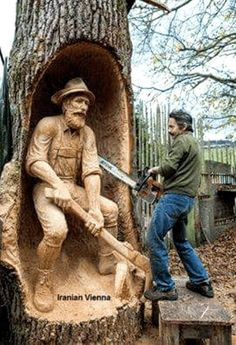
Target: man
point(181, 172)
point(62, 151)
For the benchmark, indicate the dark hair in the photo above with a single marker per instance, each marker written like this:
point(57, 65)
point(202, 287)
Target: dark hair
point(182, 119)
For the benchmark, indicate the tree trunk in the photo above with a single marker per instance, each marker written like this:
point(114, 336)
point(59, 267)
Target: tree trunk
point(55, 41)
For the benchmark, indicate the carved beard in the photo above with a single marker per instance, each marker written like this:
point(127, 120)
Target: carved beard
point(73, 120)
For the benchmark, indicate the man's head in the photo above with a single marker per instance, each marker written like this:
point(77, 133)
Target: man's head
point(75, 99)
point(75, 108)
point(179, 122)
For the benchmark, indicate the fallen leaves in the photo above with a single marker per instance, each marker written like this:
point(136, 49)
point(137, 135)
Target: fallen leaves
point(219, 258)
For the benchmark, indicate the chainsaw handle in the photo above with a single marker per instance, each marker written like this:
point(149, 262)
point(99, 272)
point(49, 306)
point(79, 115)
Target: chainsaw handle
point(141, 182)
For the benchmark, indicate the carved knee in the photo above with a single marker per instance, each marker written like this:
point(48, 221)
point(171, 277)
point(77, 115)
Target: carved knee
point(56, 238)
point(111, 216)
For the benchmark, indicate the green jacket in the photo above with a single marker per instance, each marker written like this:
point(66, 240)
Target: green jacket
point(182, 168)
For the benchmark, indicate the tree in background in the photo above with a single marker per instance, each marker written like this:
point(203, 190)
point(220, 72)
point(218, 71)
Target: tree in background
point(191, 50)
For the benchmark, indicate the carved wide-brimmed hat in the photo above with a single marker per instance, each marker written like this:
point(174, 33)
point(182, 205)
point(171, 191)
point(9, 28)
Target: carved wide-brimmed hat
point(76, 85)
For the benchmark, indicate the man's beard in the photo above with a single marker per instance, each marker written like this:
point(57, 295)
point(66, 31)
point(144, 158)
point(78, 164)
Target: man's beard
point(74, 121)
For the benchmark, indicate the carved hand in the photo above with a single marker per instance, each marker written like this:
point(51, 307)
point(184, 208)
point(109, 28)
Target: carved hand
point(62, 197)
point(96, 222)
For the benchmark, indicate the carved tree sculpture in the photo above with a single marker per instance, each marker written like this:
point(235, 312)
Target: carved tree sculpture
point(55, 41)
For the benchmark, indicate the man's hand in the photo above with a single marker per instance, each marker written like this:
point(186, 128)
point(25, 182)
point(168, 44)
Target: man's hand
point(154, 170)
point(62, 197)
point(96, 223)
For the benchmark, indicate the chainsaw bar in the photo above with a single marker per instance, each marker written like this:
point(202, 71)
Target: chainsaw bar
point(145, 192)
point(121, 175)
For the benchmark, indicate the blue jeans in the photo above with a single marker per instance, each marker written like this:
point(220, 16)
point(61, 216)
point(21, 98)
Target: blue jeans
point(171, 213)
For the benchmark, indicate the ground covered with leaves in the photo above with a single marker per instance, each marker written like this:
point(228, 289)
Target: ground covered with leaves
point(220, 260)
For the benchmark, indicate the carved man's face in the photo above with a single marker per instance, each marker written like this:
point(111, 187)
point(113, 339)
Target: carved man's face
point(75, 109)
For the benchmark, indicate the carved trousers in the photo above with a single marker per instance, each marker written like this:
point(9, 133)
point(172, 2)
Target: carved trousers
point(53, 219)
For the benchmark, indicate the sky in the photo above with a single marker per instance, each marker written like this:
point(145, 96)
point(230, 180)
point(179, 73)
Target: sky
point(7, 25)
point(7, 29)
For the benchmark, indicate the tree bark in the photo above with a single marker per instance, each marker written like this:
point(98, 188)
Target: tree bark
point(55, 41)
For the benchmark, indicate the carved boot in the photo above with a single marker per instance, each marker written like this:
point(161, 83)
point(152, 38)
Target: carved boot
point(106, 263)
point(106, 259)
point(43, 294)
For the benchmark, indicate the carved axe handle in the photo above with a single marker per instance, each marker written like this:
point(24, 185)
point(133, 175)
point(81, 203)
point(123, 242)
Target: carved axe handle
point(83, 215)
point(126, 250)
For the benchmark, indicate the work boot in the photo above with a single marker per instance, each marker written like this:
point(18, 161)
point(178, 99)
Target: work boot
point(204, 289)
point(155, 295)
point(43, 293)
point(106, 263)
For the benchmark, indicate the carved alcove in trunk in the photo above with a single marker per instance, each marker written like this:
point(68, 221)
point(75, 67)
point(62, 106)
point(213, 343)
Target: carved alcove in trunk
point(109, 117)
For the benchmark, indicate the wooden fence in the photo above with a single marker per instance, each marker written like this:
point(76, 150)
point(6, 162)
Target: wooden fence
point(152, 142)
point(223, 153)
point(151, 146)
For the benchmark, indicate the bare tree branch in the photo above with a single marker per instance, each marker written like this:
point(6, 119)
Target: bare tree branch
point(191, 52)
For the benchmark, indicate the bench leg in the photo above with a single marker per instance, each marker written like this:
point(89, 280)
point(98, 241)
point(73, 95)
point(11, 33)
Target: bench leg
point(169, 334)
point(221, 335)
point(155, 314)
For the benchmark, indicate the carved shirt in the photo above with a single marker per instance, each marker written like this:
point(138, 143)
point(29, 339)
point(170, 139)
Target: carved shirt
point(71, 155)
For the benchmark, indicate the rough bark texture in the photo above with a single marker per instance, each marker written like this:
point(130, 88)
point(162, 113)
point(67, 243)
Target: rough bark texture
point(32, 330)
point(57, 40)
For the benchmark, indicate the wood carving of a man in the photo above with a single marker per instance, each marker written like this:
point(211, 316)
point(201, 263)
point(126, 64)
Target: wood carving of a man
point(63, 149)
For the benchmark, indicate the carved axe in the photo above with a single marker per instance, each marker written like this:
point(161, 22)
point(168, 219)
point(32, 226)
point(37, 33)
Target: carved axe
point(123, 248)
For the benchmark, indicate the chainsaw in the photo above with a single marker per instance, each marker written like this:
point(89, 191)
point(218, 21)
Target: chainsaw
point(146, 187)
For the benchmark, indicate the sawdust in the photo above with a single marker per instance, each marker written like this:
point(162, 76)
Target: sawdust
point(81, 294)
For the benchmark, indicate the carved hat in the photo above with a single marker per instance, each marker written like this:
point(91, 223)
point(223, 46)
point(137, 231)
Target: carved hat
point(76, 85)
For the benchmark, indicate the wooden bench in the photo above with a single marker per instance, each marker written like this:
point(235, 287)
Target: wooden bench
point(191, 317)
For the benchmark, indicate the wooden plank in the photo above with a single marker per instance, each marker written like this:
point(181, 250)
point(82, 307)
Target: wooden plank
point(158, 136)
point(169, 334)
point(192, 308)
point(142, 137)
point(192, 312)
point(195, 342)
point(155, 314)
point(221, 335)
point(151, 141)
point(195, 332)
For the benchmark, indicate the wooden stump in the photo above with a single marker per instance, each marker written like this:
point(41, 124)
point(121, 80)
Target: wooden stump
point(54, 42)
point(27, 326)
